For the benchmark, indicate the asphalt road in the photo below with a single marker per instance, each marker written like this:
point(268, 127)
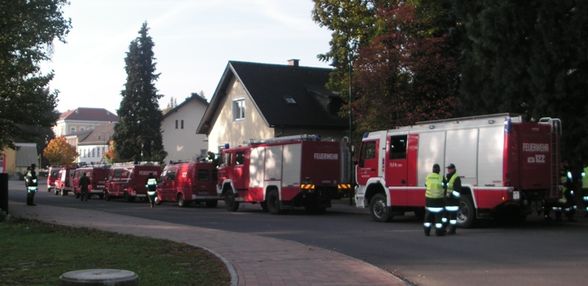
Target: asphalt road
point(534, 253)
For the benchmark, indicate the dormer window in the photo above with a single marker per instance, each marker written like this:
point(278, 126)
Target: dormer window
point(290, 100)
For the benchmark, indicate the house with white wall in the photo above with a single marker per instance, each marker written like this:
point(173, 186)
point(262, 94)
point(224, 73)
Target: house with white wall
point(255, 101)
point(91, 145)
point(82, 119)
point(178, 127)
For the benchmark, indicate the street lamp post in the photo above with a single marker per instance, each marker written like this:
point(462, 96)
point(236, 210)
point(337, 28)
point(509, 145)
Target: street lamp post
point(350, 114)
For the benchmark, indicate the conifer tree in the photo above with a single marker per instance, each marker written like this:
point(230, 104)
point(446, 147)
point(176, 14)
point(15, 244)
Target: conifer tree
point(137, 136)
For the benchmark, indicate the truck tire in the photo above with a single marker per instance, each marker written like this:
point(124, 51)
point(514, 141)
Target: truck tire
point(182, 203)
point(230, 203)
point(77, 195)
point(467, 212)
point(378, 209)
point(107, 196)
point(273, 202)
point(127, 197)
point(212, 204)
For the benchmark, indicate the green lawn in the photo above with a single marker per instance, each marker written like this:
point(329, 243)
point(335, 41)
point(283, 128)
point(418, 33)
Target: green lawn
point(34, 253)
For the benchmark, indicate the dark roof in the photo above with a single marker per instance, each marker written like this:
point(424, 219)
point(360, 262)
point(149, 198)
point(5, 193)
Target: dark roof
point(287, 96)
point(101, 134)
point(194, 96)
point(89, 114)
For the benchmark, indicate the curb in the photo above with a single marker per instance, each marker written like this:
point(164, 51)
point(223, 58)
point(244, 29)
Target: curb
point(229, 265)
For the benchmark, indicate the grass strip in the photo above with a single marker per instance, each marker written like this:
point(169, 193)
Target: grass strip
point(35, 253)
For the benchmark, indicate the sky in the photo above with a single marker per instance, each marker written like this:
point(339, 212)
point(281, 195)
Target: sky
point(194, 40)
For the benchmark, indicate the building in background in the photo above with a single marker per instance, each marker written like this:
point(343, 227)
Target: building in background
point(256, 101)
point(178, 127)
point(15, 161)
point(82, 119)
point(91, 145)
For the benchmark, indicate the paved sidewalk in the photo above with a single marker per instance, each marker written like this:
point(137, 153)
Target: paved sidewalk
point(251, 259)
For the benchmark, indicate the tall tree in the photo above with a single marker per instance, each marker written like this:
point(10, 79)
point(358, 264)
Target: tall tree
point(27, 31)
point(353, 24)
point(137, 135)
point(528, 58)
point(408, 73)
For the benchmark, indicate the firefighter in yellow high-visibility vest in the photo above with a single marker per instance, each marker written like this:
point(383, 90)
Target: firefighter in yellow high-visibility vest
point(434, 202)
point(453, 193)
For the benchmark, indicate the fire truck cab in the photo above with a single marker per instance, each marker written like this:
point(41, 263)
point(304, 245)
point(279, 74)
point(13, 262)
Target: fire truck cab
point(52, 176)
point(185, 183)
point(281, 173)
point(63, 184)
point(97, 176)
point(502, 161)
point(127, 180)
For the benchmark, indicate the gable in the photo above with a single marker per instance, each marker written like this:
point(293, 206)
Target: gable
point(285, 96)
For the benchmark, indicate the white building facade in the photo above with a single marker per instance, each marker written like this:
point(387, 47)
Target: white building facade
point(178, 128)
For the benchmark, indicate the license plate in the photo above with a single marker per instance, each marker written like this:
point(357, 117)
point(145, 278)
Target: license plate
point(516, 195)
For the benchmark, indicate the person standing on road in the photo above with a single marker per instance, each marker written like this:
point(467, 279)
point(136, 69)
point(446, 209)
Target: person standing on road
point(151, 189)
point(32, 185)
point(434, 198)
point(453, 194)
point(84, 183)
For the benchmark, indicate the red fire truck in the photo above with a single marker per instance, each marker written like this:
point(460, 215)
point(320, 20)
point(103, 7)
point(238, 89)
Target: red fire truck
point(52, 176)
point(503, 162)
point(97, 175)
point(185, 183)
point(127, 180)
point(282, 172)
point(63, 182)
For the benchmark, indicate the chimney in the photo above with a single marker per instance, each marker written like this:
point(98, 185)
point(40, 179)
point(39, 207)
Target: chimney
point(293, 62)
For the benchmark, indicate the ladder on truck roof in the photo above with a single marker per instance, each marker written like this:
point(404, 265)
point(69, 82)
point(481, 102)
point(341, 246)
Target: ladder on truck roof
point(555, 124)
point(292, 138)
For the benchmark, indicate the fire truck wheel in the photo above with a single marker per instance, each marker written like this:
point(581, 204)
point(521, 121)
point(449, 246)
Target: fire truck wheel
point(211, 204)
point(77, 195)
point(273, 202)
point(378, 209)
point(230, 203)
point(467, 212)
point(264, 206)
point(127, 197)
point(107, 196)
point(181, 202)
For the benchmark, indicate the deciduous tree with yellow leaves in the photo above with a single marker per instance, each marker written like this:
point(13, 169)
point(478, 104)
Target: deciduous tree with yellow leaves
point(59, 152)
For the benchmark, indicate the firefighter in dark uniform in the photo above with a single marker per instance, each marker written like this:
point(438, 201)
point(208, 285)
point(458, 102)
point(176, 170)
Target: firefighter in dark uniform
point(453, 193)
point(84, 183)
point(31, 182)
point(434, 202)
point(567, 202)
point(151, 189)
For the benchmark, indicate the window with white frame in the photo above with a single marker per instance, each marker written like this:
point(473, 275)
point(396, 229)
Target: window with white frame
point(239, 109)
